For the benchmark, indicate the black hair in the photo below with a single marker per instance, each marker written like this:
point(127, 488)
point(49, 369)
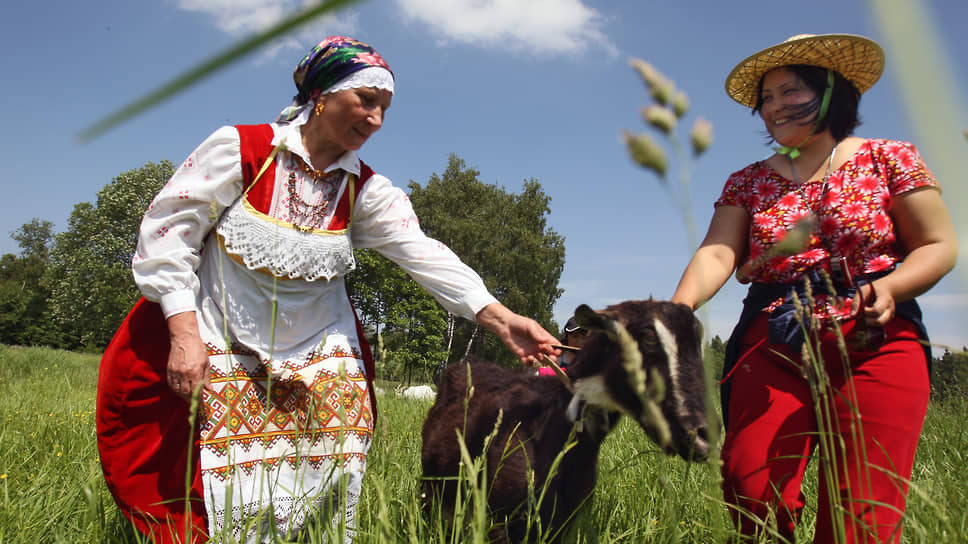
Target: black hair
point(842, 117)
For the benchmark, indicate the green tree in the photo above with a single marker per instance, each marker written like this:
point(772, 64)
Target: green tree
point(24, 318)
point(714, 355)
point(949, 377)
point(89, 275)
point(501, 235)
point(405, 324)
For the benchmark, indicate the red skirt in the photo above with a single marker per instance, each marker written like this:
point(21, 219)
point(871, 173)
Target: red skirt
point(148, 450)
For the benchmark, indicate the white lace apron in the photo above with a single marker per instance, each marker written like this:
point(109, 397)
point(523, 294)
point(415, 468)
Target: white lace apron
point(289, 412)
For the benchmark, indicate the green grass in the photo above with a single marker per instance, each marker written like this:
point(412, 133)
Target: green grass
point(51, 489)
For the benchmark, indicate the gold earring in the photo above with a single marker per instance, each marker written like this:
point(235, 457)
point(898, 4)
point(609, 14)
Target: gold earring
point(319, 107)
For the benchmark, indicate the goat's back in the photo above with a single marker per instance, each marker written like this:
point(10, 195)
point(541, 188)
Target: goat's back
point(533, 429)
point(517, 396)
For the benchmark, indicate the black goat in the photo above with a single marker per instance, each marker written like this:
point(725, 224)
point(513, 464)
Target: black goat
point(641, 358)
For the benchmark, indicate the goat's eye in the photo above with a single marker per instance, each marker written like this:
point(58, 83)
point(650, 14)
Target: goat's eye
point(650, 337)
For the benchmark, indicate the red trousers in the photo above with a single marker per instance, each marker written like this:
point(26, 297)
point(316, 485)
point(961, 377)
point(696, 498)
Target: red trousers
point(876, 411)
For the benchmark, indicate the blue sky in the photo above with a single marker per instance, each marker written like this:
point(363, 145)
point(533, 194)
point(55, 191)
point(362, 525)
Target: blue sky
point(518, 89)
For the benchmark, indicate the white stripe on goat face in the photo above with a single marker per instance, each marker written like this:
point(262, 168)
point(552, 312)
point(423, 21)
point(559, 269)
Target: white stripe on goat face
point(671, 348)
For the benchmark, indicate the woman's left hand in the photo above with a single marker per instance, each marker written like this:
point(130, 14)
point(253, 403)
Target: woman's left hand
point(523, 335)
point(878, 304)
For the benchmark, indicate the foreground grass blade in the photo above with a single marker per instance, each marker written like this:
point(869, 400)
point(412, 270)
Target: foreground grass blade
point(208, 68)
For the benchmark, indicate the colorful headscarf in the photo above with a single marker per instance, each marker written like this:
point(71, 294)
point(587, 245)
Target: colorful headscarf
point(330, 61)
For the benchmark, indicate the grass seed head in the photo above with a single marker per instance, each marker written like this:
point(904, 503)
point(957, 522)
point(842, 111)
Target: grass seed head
point(680, 103)
point(701, 136)
point(660, 117)
point(646, 152)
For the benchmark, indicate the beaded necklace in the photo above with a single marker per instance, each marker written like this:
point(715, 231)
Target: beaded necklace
point(306, 216)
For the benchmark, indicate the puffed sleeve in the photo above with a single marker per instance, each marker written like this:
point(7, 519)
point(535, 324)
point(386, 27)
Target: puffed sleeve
point(180, 217)
point(384, 220)
point(737, 189)
point(904, 167)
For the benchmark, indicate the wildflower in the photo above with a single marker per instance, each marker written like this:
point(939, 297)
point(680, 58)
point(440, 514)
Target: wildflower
point(3, 476)
point(702, 135)
point(660, 117)
point(646, 152)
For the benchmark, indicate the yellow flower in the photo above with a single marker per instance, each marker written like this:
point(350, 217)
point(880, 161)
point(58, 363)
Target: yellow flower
point(3, 476)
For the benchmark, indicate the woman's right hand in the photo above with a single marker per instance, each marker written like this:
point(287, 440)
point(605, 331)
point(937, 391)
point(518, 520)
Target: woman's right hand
point(188, 358)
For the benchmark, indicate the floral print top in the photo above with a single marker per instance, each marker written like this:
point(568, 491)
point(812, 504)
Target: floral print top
point(854, 215)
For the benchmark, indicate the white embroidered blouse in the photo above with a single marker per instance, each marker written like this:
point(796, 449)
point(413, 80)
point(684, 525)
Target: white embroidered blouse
point(181, 263)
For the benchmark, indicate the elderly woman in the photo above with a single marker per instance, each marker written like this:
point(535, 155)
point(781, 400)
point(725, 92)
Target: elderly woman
point(241, 259)
point(830, 218)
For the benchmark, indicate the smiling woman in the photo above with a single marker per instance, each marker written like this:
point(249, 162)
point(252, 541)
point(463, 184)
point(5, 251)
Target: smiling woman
point(241, 259)
point(858, 209)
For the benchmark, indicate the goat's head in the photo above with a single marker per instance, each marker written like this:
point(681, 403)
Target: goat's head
point(644, 359)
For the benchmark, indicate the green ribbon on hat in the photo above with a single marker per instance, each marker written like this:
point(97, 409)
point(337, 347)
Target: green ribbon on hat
point(794, 152)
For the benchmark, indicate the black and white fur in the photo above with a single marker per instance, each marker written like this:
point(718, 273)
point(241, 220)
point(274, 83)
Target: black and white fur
point(657, 379)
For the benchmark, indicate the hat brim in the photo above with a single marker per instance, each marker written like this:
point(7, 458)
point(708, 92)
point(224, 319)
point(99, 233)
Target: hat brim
point(859, 59)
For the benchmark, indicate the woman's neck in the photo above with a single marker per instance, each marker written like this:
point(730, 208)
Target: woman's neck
point(813, 157)
point(322, 153)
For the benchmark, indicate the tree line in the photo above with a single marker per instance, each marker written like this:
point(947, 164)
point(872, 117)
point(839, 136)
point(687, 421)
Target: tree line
point(71, 290)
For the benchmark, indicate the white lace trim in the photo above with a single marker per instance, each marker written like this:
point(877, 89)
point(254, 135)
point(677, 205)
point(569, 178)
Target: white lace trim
point(374, 76)
point(276, 247)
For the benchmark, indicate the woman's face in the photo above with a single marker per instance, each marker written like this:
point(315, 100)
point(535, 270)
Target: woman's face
point(784, 94)
point(351, 116)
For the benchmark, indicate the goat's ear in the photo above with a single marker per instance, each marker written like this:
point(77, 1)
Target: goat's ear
point(590, 319)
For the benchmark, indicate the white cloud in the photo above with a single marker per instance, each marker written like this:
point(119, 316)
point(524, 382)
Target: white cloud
point(539, 26)
point(240, 16)
point(244, 17)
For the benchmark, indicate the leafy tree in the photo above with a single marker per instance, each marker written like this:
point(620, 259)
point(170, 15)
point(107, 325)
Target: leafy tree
point(89, 275)
point(714, 355)
point(950, 375)
point(406, 324)
point(35, 238)
point(504, 237)
point(24, 319)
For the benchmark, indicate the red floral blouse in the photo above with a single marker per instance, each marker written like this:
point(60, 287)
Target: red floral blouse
point(854, 217)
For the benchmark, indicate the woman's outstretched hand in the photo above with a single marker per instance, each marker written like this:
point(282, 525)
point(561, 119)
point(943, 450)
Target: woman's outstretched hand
point(524, 336)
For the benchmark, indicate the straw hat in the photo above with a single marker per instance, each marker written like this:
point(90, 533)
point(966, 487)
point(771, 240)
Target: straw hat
point(859, 59)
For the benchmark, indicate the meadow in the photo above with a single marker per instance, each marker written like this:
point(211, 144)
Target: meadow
point(52, 490)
